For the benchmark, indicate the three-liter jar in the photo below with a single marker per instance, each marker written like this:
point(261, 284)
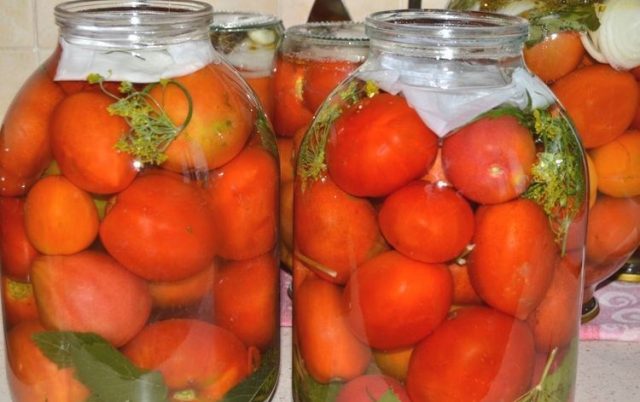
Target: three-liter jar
point(313, 59)
point(439, 222)
point(250, 42)
point(588, 52)
point(139, 184)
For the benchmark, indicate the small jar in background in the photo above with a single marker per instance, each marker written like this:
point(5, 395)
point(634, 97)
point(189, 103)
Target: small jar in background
point(313, 59)
point(249, 41)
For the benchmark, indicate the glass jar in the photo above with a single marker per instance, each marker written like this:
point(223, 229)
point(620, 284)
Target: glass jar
point(139, 215)
point(313, 59)
point(586, 51)
point(250, 42)
point(439, 222)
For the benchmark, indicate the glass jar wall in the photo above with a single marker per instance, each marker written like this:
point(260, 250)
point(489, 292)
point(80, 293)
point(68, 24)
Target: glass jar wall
point(314, 58)
point(439, 222)
point(139, 185)
point(588, 52)
point(250, 42)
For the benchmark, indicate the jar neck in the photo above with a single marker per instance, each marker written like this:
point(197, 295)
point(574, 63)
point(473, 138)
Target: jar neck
point(333, 40)
point(131, 24)
point(447, 35)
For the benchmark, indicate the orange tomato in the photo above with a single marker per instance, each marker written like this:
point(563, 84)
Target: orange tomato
point(427, 222)
point(83, 139)
point(489, 161)
point(243, 197)
point(321, 77)
point(24, 137)
point(328, 348)
point(245, 298)
point(90, 292)
point(160, 228)
point(394, 302)
point(221, 121)
point(183, 292)
point(59, 217)
point(617, 165)
point(263, 87)
point(463, 291)
point(612, 230)
point(32, 376)
point(601, 101)
point(333, 231)
point(512, 263)
point(16, 251)
point(556, 56)
point(394, 363)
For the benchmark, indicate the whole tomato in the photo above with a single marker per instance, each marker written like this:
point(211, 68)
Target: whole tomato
point(160, 228)
point(477, 354)
point(512, 263)
point(379, 145)
point(394, 301)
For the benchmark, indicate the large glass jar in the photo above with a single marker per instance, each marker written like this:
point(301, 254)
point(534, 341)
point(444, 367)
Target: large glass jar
point(139, 185)
point(586, 51)
point(250, 42)
point(439, 222)
point(313, 59)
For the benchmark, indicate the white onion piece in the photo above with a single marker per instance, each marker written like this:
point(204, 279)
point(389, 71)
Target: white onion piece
point(617, 40)
point(517, 7)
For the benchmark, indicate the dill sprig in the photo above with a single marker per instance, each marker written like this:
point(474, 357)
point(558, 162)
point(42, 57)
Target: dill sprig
point(151, 131)
point(311, 160)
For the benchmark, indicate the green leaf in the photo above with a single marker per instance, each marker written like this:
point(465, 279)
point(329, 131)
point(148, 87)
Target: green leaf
point(258, 386)
point(106, 372)
point(556, 385)
point(388, 396)
point(569, 17)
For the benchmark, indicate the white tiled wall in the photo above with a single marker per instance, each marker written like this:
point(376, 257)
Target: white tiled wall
point(28, 33)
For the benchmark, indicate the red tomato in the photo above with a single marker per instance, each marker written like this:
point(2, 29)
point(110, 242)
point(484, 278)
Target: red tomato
point(321, 77)
point(394, 301)
point(427, 222)
point(193, 356)
point(555, 321)
point(379, 145)
point(83, 140)
point(245, 299)
point(183, 292)
point(328, 348)
point(490, 160)
point(333, 231)
point(512, 263)
point(16, 251)
point(32, 376)
point(371, 387)
point(290, 114)
point(24, 137)
point(243, 197)
point(160, 228)
point(477, 354)
point(90, 292)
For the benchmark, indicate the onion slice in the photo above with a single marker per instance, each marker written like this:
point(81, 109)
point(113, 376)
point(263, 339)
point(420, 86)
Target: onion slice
point(617, 40)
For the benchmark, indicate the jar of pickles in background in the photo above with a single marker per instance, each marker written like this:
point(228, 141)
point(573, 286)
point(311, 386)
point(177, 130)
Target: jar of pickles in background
point(250, 42)
point(313, 59)
point(139, 185)
point(439, 222)
point(588, 51)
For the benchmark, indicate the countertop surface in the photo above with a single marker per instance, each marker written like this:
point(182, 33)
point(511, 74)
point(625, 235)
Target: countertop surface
point(608, 371)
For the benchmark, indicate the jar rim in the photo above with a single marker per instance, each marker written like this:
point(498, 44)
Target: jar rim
point(330, 33)
point(425, 25)
point(242, 20)
point(133, 23)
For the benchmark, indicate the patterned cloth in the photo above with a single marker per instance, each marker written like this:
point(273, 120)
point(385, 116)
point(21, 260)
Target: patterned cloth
point(619, 317)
